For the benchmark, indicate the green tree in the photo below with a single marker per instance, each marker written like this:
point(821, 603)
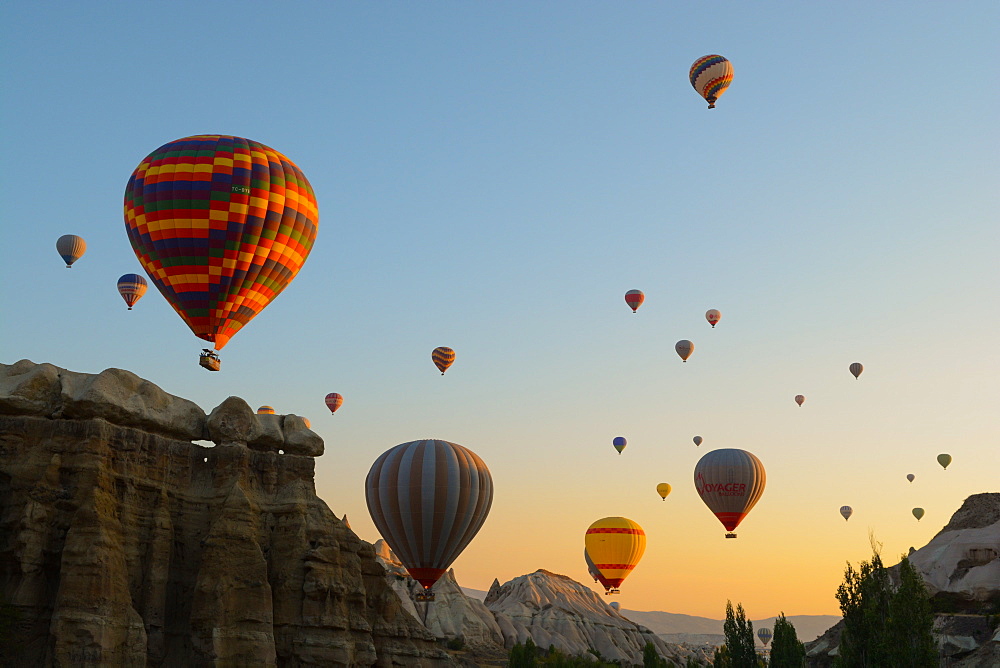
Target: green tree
point(721, 658)
point(786, 650)
point(523, 656)
point(651, 658)
point(739, 638)
point(911, 621)
point(885, 626)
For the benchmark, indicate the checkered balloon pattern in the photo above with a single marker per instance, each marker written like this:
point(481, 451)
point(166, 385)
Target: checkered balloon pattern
point(221, 225)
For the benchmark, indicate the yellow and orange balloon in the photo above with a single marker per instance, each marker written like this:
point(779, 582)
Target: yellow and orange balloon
point(615, 545)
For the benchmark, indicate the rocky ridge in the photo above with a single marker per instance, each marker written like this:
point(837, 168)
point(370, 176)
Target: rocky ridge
point(123, 543)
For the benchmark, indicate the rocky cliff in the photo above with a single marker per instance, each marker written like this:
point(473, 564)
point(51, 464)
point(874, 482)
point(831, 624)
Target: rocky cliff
point(551, 609)
point(122, 543)
point(961, 569)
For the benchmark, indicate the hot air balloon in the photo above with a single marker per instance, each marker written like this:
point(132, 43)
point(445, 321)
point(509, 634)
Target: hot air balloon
point(944, 459)
point(856, 369)
point(634, 299)
point(684, 348)
point(730, 482)
point(713, 316)
point(616, 545)
point(918, 513)
point(71, 248)
point(846, 511)
point(697, 440)
point(663, 489)
point(711, 76)
point(309, 425)
point(800, 399)
point(334, 401)
point(265, 410)
point(765, 635)
point(619, 443)
point(910, 477)
point(594, 573)
point(428, 499)
point(616, 606)
point(443, 358)
point(221, 225)
point(131, 287)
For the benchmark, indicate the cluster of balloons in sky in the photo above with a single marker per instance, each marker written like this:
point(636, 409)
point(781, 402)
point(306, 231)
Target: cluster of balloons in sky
point(944, 459)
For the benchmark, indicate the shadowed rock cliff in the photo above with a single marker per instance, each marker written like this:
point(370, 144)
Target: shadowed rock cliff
point(122, 543)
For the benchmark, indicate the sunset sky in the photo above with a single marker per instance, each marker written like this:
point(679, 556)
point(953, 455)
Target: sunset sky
point(494, 177)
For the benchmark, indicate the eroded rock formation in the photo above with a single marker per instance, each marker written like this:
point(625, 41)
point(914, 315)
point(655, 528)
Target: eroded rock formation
point(124, 544)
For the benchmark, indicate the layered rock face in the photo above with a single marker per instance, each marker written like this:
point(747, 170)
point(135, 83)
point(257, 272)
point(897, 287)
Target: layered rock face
point(960, 567)
point(124, 544)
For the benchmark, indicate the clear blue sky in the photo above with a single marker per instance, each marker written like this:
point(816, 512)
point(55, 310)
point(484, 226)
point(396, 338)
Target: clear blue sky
point(493, 177)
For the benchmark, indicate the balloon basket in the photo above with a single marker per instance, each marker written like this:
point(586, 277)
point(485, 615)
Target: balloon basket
point(210, 361)
point(424, 596)
point(730, 535)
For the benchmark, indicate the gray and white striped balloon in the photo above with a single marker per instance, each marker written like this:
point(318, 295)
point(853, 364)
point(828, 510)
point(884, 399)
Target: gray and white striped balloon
point(428, 499)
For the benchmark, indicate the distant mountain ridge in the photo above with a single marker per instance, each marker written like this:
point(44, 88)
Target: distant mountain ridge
point(673, 625)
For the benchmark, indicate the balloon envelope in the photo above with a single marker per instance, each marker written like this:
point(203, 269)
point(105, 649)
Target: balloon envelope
point(663, 489)
point(730, 482)
point(944, 460)
point(698, 440)
point(713, 316)
point(846, 511)
point(71, 248)
point(800, 399)
point(443, 358)
point(684, 348)
point(765, 635)
point(856, 369)
point(265, 410)
point(131, 287)
point(918, 513)
point(634, 299)
point(619, 443)
point(221, 225)
point(594, 573)
point(910, 477)
point(710, 76)
point(428, 499)
point(334, 401)
point(615, 544)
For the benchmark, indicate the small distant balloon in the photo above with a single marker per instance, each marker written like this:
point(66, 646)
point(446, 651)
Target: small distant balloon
point(800, 399)
point(619, 443)
point(713, 316)
point(334, 401)
point(663, 489)
point(265, 410)
point(634, 299)
point(616, 606)
point(910, 477)
point(131, 287)
point(684, 348)
point(846, 511)
point(710, 76)
point(944, 460)
point(697, 440)
point(765, 635)
point(71, 248)
point(443, 358)
point(309, 426)
point(918, 513)
point(856, 369)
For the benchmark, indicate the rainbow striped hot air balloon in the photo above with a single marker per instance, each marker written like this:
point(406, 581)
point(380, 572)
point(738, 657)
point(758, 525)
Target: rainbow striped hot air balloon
point(711, 76)
point(615, 544)
point(443, 358)
point(428, 499)
point(265, 410)
point(221, 225)
point(131, 287)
